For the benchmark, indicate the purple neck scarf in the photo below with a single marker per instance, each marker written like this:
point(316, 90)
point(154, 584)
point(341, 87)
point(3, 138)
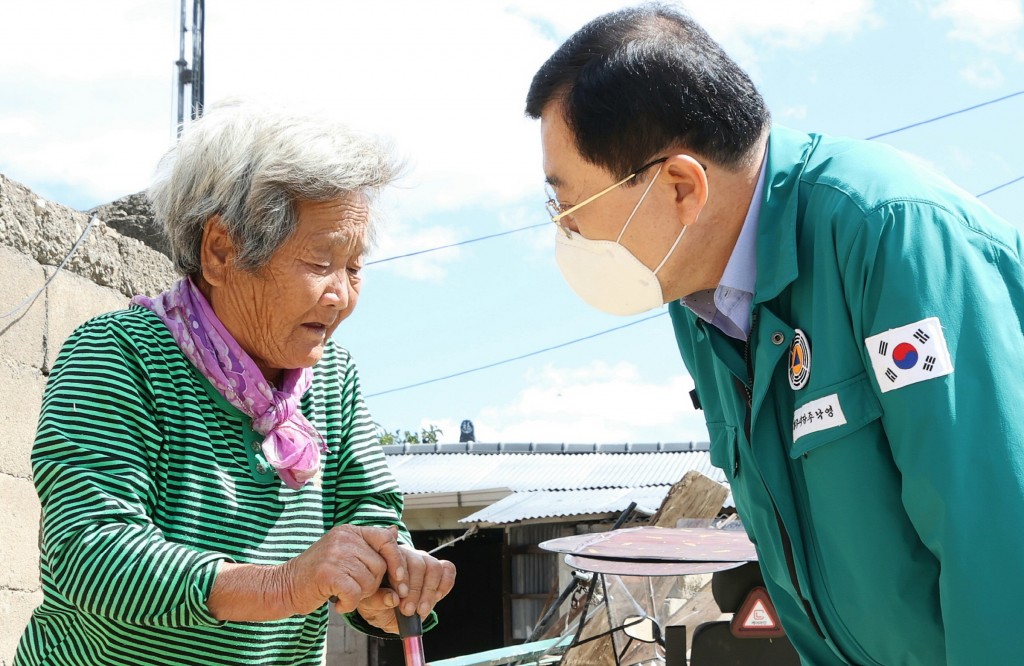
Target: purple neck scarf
point(292, 445)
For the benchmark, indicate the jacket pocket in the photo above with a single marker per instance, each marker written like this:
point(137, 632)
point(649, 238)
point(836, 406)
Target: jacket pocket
point(833, 412)
point(723, 448)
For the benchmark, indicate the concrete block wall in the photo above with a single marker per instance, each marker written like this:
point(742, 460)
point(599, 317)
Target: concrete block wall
point(345, 645)
point(35, 236)
point(29, 342)
point(106, 269)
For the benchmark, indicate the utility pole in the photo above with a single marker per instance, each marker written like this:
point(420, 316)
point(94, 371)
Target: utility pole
point(191, 76)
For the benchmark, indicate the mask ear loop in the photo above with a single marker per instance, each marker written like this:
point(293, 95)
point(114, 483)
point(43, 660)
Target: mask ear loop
point(637, 206)
point(671, 250)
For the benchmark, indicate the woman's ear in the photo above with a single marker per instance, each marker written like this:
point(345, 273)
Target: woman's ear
point(691, 184)
point(217, 253)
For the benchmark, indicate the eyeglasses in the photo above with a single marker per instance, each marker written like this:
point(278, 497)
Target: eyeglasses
point(559, 211)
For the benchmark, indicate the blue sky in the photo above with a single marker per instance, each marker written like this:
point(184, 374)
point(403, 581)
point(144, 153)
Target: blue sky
point(87, 110)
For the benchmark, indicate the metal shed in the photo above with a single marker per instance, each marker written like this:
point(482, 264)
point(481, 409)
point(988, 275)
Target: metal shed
point(505, 484)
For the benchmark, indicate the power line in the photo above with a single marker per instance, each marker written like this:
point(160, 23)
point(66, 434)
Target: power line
point(999, 187)
point(518, 358)
point(870, 138)
point(464, 242)
point(588, 337)
point(92, 220)
point(946, 115)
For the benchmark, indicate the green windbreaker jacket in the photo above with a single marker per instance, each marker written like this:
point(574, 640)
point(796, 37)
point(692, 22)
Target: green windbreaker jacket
point(882, 491)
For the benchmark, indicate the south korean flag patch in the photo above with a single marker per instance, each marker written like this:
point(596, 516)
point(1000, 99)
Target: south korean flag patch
point(909, 354)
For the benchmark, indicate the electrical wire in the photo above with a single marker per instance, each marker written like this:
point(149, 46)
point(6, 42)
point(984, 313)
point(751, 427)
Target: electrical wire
point(518, 358)
point(870, 138)
point(947, 115)
point(92, 220)
point(468, 533)
point(572, 342)
point(464, 242)
point(999, 187)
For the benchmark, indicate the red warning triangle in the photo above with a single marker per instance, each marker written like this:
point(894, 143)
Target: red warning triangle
point(757, 617)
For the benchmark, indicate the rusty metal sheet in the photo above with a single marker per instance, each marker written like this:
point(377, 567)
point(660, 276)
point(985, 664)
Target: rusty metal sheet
point(646, 567)
point(679, 544)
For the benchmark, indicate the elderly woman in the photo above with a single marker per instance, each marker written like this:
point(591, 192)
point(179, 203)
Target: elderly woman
point(208, 471)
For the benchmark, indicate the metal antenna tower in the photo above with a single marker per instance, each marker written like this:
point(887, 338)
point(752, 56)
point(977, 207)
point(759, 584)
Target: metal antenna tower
point(191, 76)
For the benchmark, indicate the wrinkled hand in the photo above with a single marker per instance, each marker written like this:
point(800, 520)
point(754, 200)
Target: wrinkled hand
point(349, 563)
point(429, 581)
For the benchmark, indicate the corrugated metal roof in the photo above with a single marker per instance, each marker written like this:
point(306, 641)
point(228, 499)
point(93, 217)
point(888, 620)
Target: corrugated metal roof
point(552, 503)
point(461, 472)
point(544, 447)
point(548, 485)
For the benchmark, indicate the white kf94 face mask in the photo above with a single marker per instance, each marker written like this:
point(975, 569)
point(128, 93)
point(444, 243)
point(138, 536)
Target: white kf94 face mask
point(605, 273)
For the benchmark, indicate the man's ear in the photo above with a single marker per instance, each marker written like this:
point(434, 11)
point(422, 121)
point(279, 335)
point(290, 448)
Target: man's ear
point(691, 185)
point(217, 252)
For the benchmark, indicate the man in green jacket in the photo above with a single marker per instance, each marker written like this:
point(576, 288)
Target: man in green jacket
point(852, 322)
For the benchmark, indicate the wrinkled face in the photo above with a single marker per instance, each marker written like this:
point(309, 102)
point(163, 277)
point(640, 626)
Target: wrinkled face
point(283, 314)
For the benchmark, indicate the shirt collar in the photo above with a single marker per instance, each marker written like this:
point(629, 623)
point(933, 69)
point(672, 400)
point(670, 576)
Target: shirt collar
point(741, 270)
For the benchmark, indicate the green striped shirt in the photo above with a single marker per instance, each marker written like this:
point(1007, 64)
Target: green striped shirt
point(149, 479)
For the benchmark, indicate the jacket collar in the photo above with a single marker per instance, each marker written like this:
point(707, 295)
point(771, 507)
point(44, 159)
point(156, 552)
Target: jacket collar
point(788, 151)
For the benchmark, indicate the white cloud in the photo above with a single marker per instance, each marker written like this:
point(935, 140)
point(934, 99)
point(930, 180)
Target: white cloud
point(594, 403)
point(13, 126)
point(794, 112)
point(743, 27)
point(442, 83)
point(793, 24)
point(447, 81)
point(561, 18)
point(957, 159)
point(534, 244)
point(789, 23)
point(88, 162)
point(399, 238)
point(87, 103)
point(449, 429)
point(992, 25)
point(983, 73)
point(90, 43)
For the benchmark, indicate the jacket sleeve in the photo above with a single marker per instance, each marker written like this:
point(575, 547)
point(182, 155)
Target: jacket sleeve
point(367, 493)
point(958, 439)
point(99, 545)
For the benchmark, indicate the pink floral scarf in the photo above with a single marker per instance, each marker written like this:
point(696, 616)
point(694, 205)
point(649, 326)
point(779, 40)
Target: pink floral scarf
point(292, 445)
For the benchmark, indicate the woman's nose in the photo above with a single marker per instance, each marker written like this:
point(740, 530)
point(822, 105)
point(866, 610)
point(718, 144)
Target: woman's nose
point(336, 295)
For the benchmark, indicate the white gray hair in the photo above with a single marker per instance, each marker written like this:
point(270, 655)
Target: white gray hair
point(251, 165)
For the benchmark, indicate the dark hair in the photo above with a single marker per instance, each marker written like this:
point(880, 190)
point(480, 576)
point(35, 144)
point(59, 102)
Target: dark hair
point(640, 80)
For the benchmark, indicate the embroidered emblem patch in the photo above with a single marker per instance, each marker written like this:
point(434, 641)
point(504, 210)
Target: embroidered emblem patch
point(909, 354)
point(799, 360)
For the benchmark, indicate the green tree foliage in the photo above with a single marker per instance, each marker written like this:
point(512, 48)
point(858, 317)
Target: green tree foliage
point(428, 435)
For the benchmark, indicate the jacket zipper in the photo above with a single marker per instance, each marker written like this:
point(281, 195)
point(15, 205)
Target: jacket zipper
point(787, 545)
